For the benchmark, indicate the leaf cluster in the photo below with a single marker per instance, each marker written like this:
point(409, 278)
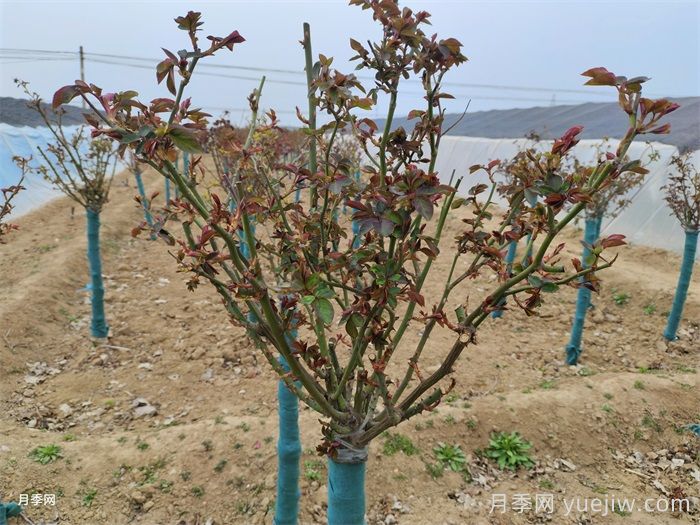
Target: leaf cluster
point(79, 166)
point(683, 191)
point(509, 450)
point(8, 195)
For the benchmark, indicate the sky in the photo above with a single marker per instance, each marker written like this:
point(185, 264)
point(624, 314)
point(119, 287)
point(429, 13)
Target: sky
point(521, 53)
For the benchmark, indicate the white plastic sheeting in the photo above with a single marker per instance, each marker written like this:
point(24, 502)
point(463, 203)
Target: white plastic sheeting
point(23, 142)
point(647, 220)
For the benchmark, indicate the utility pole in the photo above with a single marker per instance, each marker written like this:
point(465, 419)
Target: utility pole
point(82, 70)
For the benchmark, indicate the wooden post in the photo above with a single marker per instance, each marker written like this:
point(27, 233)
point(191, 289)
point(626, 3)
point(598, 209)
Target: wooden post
point(82, 69)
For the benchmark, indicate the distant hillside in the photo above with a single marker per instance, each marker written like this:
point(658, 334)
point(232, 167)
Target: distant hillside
point(599, 120)
point(14, 111)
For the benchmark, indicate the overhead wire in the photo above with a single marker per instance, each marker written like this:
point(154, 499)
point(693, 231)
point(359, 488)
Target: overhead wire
point(303, 84)
point(100, 57)
point(21, 60)
point(300, 72)
point(24, 55)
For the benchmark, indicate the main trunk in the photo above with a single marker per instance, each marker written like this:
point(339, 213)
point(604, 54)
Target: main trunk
point(674, 318)
point(98, 326)
point(346, 488)
point(583, 299)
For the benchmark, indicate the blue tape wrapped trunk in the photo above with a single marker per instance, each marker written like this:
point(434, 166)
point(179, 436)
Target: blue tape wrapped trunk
point(346, 493)
point(98, 324)
point(288, 440)
point(674, 318)
point(583, 298)
point(288, 454)
point(9, 510)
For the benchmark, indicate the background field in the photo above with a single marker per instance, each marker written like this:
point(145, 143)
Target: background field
point(200, 448)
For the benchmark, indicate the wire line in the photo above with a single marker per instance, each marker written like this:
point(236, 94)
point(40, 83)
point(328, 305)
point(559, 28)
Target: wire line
point(448, 84)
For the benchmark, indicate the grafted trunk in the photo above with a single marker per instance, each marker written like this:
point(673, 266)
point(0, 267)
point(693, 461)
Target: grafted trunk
point(346, 488)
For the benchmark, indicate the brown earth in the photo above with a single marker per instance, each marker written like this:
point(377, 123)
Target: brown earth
point(203, 448)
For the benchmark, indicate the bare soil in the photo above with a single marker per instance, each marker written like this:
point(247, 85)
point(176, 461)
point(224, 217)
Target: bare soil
point(173, 420)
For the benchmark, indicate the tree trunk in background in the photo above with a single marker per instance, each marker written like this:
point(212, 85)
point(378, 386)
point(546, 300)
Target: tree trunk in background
point(177, 167)
point(510, 257)
point(346, 488)
point(583, 299)
point(9, 510)
point(98, 326)
point(186, 165)
point(528, 252)
point(167, 191)
point(144, 204)
point(674, 319)
point(288, 454)
point(356, 224)
point(288, 440)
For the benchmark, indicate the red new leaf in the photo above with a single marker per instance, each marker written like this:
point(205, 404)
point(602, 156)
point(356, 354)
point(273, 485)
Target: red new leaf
point(65, 95)
point(613, 240)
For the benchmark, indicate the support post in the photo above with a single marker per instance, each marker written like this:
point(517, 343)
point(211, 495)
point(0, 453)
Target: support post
point(82, 71)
